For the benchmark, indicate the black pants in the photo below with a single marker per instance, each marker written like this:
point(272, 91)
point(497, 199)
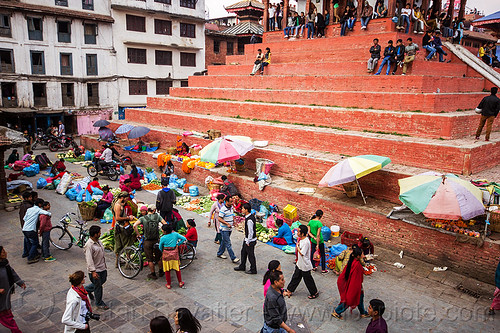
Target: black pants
point(308, 280)
point(248, 251)
point(322, 253)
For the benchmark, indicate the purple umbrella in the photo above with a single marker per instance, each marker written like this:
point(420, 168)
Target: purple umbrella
point(105, 133)
point(137, 132)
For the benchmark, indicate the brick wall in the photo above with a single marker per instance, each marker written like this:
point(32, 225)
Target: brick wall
point(211, 57)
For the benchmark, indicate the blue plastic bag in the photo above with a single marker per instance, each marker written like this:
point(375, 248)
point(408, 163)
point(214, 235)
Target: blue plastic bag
point(29, 171)
point(140, 172)
point(88, 156)
point(79, 196)
point(122, 170)
point(150, 176)
point(181, 182)
point(172, 185)
point(264, 211)
point(41, 183)
point(326, 232)
point(88, 196)
point(71, 194)
point(36, 167)
point(173, 178)
point(194, 191)
point(96, 191)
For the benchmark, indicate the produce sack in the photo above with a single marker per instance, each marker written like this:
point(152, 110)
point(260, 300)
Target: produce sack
point(29, 171)
point(150, 176)
point(88, 196)
point(71, 194)
point(88, 156)
point(295, 225)
point(56, 182)
point(108, 215)
point(194, 191)
point(50, 186)
point(63, 185)
point(327, 233)
point(181, 182)
point(36, 167)
point(96, 191)
point(79, 196)
point(41, 183)
point(263, 210)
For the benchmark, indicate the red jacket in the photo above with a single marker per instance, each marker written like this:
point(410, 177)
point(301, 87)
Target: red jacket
point(93, 184)
point(192, 235)
point(45, 223)
point(350, 289)
point(136, 182)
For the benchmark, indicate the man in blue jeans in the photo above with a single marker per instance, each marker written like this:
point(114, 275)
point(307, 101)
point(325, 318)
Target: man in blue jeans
point(439, 46)
point(428, 44)
point(30, 230)
point(388, 58)
point(96, 266)
point(226, 220)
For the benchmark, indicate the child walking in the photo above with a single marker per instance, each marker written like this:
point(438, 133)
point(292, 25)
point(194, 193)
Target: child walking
point(44, 231)
point(170, 254)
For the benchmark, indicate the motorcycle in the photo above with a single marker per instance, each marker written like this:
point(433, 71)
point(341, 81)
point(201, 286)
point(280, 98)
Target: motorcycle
point(42, 138)
point(111, 170)
point(62, 142)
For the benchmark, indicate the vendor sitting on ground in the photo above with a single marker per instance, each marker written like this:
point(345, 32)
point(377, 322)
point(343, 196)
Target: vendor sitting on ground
point(125, 187)
point(14, 156)
point(284, 236)
point(94, 183)
point(228, 188)
point(139, 145)
point(28, 156)
point(135, 179)
point(58, 167)
point(366, 246)
point(104, 203)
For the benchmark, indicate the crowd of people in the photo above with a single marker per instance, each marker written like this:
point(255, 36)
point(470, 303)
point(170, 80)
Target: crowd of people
point(488, 54)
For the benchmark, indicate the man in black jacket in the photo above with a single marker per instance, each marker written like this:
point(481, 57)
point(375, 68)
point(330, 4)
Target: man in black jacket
point(399, 55)
point(165, 201)
point(248, 248)
point(489, 106)
point(374, 55)
point(388, 58)
point(275, 312)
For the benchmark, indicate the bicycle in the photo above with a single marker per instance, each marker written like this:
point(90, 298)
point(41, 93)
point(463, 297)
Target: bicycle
point(62, 238)
point(131, 262)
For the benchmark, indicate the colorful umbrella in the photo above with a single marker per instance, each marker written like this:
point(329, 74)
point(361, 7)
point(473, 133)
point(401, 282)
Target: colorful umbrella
point(124, 129)
point(101, 123)
point(441, 196)
point(105, 133)
point(227, 148)
point(137, 132)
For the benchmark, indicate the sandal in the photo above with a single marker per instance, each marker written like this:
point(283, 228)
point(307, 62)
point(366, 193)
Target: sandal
point(181, 285)
point(336, 315)
point(314, 269)
point(168, 286)
point(324, 271)
point(313, 296)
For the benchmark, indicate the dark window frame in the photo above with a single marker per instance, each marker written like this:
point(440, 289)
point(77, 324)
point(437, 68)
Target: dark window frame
point(91, 64)
point(93, 94)
point(165, 2)
point(88, 4)
point(137, 56)
point(68, 99)
point(66, 70)
point(63, 37)
point(161, 29)
point(135, 23)
point(163, 58)
point(184, 83)
point(187, 30)
point(137, 87)
point(33, 33)
point(188, 4)
point(9, 101)
point(61, 3)
point(5, 25)
point(90, 39)
point(6, 67)
point(188, 59)
point(229, 50)
point(163, 87)
point(216, 46)
point(42, 99)
point(37, 68)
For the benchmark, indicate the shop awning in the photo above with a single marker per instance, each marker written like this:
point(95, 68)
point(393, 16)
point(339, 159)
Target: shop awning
point(17, 110)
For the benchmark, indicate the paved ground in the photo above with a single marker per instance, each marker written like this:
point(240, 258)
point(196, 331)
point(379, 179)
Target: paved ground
point(417, 299)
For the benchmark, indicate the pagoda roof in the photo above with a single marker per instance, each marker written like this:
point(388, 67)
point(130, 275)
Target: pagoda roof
point(246, 4)
point(245, 28)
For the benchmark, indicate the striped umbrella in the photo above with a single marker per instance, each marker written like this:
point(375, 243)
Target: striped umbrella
point(226, 149)
point(125, 128)
point(441, 196)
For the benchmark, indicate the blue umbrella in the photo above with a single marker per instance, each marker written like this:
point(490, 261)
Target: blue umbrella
point(105, 133)
point(137, 132)
point(101, 123)
point(124, 129)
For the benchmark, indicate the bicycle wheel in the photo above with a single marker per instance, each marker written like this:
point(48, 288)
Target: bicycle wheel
point(60, 238)
point(91, 170)
point(130, 262)
point(186, 255)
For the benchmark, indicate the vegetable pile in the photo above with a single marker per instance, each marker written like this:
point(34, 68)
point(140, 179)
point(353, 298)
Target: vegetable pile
point(199, 205)
point(108, 240)
point(264, 234)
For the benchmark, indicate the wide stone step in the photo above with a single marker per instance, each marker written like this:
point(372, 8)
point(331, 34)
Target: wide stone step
point(437, 126)
point(383, 83)
point(458, 156)
point(415, 102)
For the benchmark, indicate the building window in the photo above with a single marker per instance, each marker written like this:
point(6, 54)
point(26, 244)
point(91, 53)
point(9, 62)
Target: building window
point(188, 4)
point(62, 3)
point(241, 48)
point(216, 46)
point(9, 94)
point(39, 94)
point(68, 96)
point(5, 25)
point(136, 23)
point(137, 87)
point(6, 61)
point(93, 93)
point(163, 57)
point(136, 56)
point(163, 87)
point(64, 31)
point(163, 27)
point(35, 28)
point(91, 64)
point(230, 48)
point(184, 83)
point(90, 33)
point(188, 30)
point(88, 4)
point(37, 62)
point(66, 64)
point(188, 59)
point(166, 2)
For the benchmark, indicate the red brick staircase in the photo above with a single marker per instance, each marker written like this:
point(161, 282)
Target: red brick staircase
point(315, 105)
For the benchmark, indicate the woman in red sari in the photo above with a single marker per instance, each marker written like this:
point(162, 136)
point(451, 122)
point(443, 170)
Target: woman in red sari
point(350, 284)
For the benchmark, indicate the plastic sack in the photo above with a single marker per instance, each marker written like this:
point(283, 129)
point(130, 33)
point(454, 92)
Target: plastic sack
point(88, 196)
point(317, 255)
point(36, 167)
point(41, 183)
point(194, 191)
point(108, 215)
point(289, 249)
point(79, 196)
point(150, 176)
point(29, 171)
point(327, 233)
point(264, 211)
point(71, 194)
point(122, 170)
point(140, 172)
point(88, 156)
point(96, 191)
point(63, 184)
point(56, 183)
point(173, 178)
point(295, 225)
point(172, 185)
point(181, 182)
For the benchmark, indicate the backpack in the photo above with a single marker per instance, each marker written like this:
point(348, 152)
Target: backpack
point(150, 223)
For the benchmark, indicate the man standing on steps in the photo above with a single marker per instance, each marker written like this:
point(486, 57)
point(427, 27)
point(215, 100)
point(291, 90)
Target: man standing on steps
point(248, 247)
point(489, 107)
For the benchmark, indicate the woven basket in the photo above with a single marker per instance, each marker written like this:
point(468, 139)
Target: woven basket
point(87, 212)
point(153, 144)
point(172, 151)
point(212, 186)
point(240, 167)
point(351, 189)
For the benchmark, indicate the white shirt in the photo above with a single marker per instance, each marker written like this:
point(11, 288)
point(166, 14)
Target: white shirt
point(304, 260)
point(406, 11)
point(107, 155)
point(271, 12)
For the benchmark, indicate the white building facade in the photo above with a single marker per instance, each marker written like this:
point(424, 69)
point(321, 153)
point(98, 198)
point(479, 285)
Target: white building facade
point(159, 43)
point(57, 63)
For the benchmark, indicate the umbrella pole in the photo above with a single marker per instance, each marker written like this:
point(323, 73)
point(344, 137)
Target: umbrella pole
point(361, 191)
